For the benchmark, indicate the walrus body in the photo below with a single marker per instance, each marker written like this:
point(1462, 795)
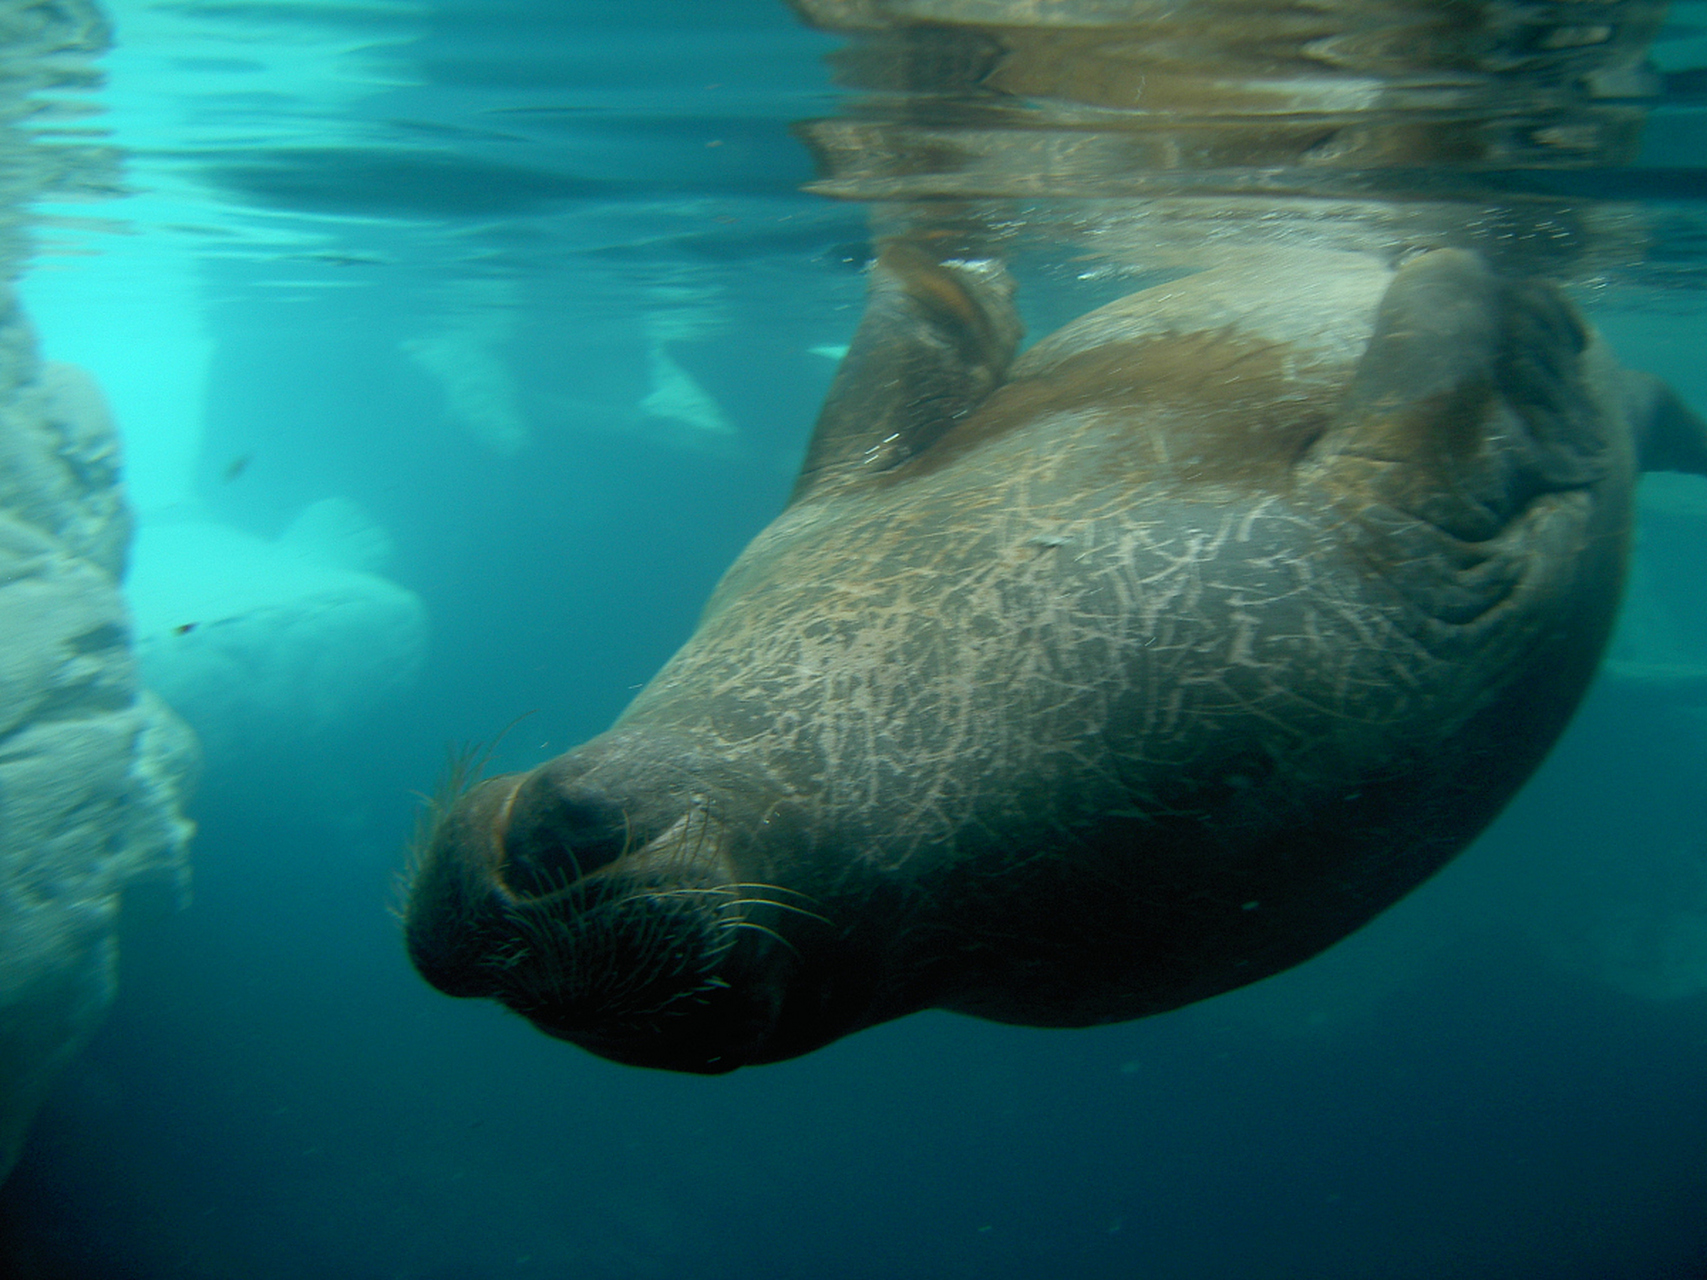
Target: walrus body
point(1073, 688)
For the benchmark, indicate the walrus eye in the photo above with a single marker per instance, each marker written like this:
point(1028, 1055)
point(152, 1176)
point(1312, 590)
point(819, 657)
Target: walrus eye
point(552, 840)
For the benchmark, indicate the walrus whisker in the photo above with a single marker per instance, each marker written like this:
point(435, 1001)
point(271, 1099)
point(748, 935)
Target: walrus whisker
point(787, 906)
point(551, 943)
point(618, 958)
point(730, 899)
point(771, 888)
point(463, 769)
point(726, 894)
point(735, 886)
point(770, 902)
point(559, 885)
point(775, 888)
point(759, 928)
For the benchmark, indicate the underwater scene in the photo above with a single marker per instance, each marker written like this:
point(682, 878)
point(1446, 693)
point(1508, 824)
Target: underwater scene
point(1269, 843)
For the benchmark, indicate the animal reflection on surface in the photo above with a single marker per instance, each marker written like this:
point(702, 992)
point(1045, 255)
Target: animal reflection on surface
point(1074, 687)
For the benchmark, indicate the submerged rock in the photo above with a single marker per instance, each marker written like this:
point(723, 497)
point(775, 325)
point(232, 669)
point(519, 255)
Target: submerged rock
point(92, 768)
point(264, 644)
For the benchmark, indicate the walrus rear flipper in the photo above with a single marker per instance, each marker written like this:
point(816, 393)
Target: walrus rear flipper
point(935, 340)
point(1471, 400)
point(1670, 436)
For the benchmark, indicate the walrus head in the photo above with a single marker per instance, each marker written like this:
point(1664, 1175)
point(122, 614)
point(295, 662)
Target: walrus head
point(602, 897)
point(1079, 686)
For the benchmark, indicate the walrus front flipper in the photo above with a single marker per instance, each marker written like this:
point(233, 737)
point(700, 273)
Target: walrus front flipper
point(1670, 436)
point(936, 339)
point(1472, 399)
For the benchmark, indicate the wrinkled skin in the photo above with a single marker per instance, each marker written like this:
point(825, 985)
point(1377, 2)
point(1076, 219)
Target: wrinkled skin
point(1077, 687)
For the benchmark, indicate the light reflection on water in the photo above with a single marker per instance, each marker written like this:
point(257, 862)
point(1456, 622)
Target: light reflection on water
point(668, 166)
point(497, 139)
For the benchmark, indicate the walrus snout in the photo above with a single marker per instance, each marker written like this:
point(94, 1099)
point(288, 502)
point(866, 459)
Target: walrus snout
point(604, 912)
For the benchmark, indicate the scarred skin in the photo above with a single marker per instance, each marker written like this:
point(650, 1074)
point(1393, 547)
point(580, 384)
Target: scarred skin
point(1077, 687)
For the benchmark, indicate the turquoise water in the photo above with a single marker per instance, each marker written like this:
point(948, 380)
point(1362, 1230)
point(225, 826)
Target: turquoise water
point(518, 313)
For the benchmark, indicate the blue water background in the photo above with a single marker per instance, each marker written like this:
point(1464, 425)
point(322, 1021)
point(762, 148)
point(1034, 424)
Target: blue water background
point(1458, 1091)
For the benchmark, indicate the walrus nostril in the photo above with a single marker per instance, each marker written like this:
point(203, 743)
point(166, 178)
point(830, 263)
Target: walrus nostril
point(552, 840)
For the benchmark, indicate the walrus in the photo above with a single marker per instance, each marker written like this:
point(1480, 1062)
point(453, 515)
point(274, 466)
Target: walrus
point(1075, 687)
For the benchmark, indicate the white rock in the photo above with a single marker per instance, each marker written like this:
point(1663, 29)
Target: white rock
point(262, 644)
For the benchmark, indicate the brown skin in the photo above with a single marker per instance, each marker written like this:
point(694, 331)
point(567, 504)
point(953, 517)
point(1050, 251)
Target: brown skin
point(1077, 687)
